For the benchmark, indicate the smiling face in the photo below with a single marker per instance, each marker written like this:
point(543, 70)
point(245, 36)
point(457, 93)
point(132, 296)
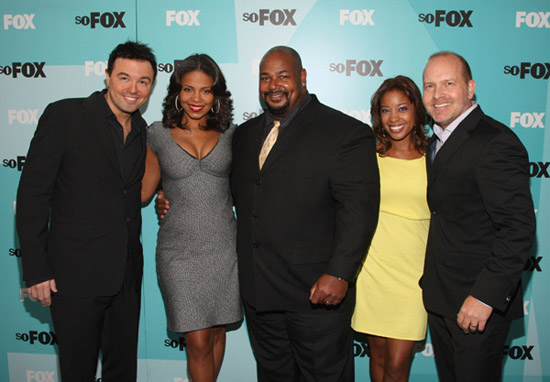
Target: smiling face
point(196, 97)
point(397, 115)
point(128, 86)
point(447, 93)
point(282, 83)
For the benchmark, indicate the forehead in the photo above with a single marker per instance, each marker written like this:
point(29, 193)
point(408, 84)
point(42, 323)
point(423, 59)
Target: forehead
point(196, 76)
point(276, 62)
point(443, 67)
point(127, 64)
point(395, 95)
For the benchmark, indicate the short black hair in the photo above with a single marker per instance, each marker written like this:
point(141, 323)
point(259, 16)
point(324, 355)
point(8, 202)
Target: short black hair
point(132, 50)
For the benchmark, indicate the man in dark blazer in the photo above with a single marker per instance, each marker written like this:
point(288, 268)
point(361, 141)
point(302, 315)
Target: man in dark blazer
point(305, 219)
point(482, 226)
point(79, 218)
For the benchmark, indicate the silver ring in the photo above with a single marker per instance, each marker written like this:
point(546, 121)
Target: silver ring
point(473, 326)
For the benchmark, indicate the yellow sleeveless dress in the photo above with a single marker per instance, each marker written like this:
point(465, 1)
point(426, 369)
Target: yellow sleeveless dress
point(389, 299)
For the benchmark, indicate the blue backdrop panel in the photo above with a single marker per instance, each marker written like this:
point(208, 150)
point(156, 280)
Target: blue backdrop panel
point(59, 50)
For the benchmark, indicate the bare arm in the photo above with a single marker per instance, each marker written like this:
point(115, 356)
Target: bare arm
point(151, 178)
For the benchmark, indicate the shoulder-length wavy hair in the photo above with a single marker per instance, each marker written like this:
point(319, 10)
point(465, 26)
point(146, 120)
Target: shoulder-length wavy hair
point(220, 116)
point(409, 88)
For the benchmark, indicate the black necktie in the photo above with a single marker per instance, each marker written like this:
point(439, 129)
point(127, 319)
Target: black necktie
point(433, 148)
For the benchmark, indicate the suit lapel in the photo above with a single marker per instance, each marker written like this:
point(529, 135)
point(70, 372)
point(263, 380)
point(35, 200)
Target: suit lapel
point(453, 143)
point(97, 124)
point(298, 127)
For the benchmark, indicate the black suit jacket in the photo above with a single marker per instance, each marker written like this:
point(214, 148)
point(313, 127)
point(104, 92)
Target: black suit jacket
point(311, 210)
point(77, 219)
point(482, 225)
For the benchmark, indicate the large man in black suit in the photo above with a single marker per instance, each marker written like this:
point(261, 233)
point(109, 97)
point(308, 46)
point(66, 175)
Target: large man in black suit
point(481, 230)
point(79, 218)
point(305, 219)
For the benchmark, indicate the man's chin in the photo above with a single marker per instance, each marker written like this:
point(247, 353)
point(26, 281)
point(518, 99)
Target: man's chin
point(279, 110)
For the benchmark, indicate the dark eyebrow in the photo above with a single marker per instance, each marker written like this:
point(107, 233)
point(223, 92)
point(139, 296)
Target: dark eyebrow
point(127, 75)
point(279, 72)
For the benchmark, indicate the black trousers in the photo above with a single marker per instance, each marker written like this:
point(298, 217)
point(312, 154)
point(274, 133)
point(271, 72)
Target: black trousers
point(295, 347)
point(461, 357)
point(84, 326)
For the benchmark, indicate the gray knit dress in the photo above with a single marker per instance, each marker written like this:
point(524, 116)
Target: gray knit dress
point(196, 244)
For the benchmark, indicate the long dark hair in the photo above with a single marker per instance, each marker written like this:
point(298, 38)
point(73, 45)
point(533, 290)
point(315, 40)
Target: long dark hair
point(220, 116)
point(409, 88)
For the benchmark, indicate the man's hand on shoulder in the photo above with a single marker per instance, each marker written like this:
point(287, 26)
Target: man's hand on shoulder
point(328, 290)
point(161, 205)
point(42, 292)
point(473, 315)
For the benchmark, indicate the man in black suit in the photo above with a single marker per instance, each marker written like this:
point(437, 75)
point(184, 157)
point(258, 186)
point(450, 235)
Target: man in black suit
point(306, 211)
point(482, 226)
point(79, 218)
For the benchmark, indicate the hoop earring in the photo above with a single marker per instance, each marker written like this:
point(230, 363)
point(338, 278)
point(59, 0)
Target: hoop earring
point(176, 103)
point(216, 107)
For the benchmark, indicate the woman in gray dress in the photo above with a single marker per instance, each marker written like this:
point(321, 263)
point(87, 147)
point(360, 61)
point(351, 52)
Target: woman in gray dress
point(190, 150)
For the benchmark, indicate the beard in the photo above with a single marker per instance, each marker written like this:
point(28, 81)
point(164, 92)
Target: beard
point(277, 110)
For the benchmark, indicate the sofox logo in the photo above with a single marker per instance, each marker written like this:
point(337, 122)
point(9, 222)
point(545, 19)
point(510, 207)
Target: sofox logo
point(96, 68)
point(24, 21)
point(166, 68)
point(523, 352)
point(23, 117)
point(26, 69)
point(362, 115)
point(24, 293)
point(428, 351)
point(533, 19)
point(532, 120)
point(533, 264)
point(183, 18)
point(453, 18)
point(363, 68)
point(34, 338)
point(360, 349)
point(249, 115)
point(539, 70)
point(17, 163)
point(178, 343)
point(356, 16)
point(276, 17)
point(40, 376)
point(105, 20)
point(539, 169)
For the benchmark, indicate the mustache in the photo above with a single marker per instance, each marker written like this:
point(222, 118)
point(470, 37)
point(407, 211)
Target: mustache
point(270, 92)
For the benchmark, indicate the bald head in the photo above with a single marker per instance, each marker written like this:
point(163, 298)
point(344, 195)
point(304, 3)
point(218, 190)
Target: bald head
point(447, 92)
point(288, 51)
point(282, 81)
point(465, 67)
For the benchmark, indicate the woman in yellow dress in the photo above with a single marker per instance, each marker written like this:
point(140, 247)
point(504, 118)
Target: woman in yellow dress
point(389, 306)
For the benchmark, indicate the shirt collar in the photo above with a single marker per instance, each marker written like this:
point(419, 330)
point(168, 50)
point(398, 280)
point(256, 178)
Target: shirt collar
point(285, 121)
point(108, 113)
point(444, 133)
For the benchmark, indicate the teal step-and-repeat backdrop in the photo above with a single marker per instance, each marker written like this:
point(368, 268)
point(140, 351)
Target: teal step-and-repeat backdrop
point(58, 48)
